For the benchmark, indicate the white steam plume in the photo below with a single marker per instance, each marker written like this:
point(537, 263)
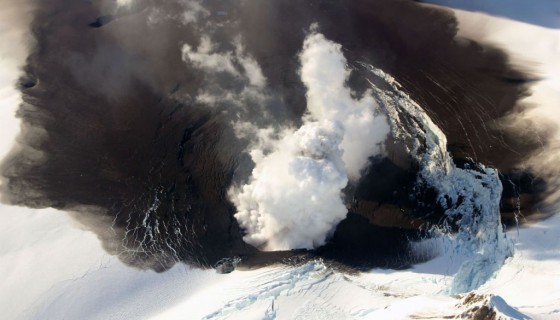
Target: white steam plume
point(124, 3)
point(294, 196)
point(236, 62)
point(324, 73)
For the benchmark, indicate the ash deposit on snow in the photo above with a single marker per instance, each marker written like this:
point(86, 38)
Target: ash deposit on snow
point(192, 131)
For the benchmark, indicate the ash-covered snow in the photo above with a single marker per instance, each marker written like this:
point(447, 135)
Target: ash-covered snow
point(470, 195)
point(82, 282)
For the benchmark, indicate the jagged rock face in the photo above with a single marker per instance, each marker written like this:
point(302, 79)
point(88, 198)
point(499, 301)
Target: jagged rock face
point(486, 307)
point(114, 130)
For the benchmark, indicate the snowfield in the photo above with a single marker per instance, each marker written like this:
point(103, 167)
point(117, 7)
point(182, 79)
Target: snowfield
point(51, 268)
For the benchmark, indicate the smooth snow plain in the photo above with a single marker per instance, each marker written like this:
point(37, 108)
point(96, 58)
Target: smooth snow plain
point(50, 268)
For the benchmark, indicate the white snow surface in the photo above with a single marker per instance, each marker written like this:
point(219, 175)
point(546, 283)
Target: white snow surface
point(51, 269)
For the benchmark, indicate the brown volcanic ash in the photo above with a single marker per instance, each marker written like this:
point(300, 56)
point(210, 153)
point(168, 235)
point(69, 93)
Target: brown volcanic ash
point(112, 130)
point(103, 135)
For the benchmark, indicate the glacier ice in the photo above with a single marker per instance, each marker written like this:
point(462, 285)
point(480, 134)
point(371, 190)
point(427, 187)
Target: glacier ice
point(469, 195)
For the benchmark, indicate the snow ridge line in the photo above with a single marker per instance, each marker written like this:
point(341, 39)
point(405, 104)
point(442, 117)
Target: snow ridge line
point(469, 195)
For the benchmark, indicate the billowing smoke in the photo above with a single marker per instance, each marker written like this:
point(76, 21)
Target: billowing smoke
point(241, 68)
point(294, 197)
point(324, 73)
point(124, 3)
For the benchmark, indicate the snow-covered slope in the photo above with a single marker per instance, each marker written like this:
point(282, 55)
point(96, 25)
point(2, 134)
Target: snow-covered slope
point(52, 269)
point(539, 12)
point(530, 33)
point(532, 46)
